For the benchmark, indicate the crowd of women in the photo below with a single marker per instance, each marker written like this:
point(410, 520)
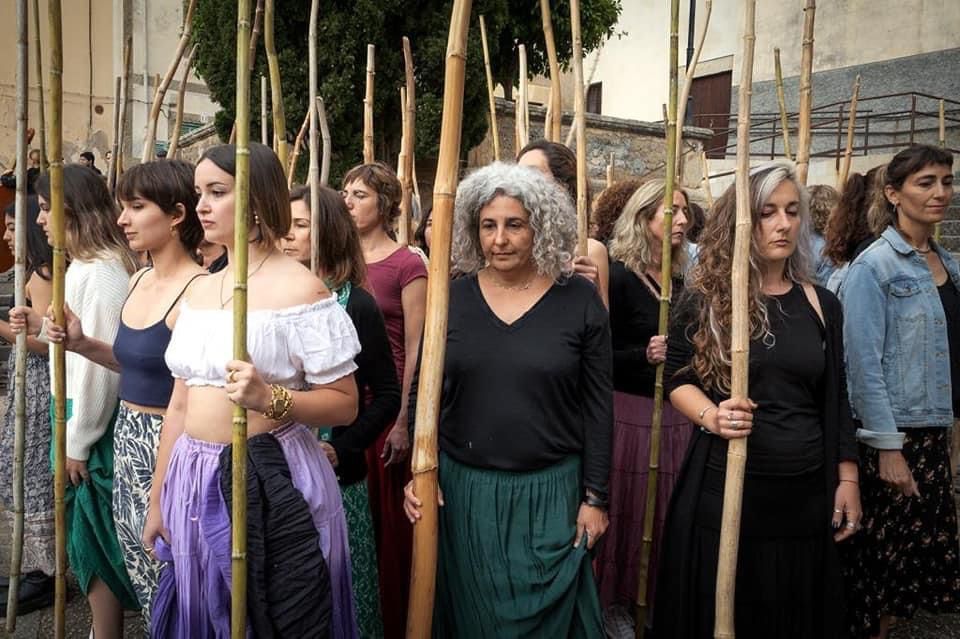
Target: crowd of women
point(848, 519)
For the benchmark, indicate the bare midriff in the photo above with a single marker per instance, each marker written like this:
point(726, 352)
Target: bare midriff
point(140, 408)
point(209, 416)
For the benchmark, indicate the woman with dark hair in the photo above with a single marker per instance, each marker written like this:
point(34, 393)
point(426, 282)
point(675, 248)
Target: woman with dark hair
point(525, 418)
point(800, 492)
point(300, 374)
point(36, 586)
point(848, 232)
point(559, 162)
point(901, 299)
point(422, 236)
point(609, 206)
point(342, 269)
point(158, 217)
point(95, 288)
point(397, 277)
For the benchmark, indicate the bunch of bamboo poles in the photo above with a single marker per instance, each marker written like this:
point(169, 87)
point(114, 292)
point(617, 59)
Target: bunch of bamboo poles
point(424, 459)
point(19, 274)
point(238, 612)
point(666, 280)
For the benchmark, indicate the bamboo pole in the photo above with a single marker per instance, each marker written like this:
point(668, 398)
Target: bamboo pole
point(19, 275)
point(264, 129)
point(148, 141)
point(403, 225)
point(493, 104)
point(255, 34)
point(118, 157)
point(238, 563)
point(688, 81)
point(297, 143)
point(313, 177)
point(325, 140)
point(782, 102)
point(555, 107)
point(943, 143)
point(522, 115)
point(580, 108)
point(115, 128)
point(806, 91)
point(610, 171)
point(424, 459)
point(276, 87)
point(181, 95)
point(705, 180)
point(593, 69)
point(408, 144)
point(368, 154)
point(851, 124)
point(38, 70)
point(666, 280)
point(55, 27)
point(740, 345)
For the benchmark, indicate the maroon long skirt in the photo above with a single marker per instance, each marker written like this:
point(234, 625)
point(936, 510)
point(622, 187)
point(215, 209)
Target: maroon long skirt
point(617, 562)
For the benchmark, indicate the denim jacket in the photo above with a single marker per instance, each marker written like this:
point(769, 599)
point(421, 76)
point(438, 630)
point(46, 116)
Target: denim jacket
point(895, 339)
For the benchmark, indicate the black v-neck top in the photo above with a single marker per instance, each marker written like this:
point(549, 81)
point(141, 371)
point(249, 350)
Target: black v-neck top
point(523, 396)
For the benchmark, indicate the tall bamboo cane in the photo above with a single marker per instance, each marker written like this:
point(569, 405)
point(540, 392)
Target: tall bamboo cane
point(580, 108)
point(782, 102)
point(552, 125)
point(181, 96)
point(297, 144)
point(55, 27)
point(276, 88)
point(238, 564)
point(943, 143)
point(149, 152)
point(705, 180)
point(115, 128)
point(122, 129)
point(408, 143)
point(325, 141)
point(688, 82)
point(19, 274)
point(806, 91)
point(255, 34)
point(493, 104)
point(368, 154)
point(313, 177)
point(610, 171)
point(403, 225)
point(666, 280)
point(593, 70)
point(424, 460)
point(740, 345)
point(38, 70)
point(264, 132)
point(522, 114)
point(851, 124)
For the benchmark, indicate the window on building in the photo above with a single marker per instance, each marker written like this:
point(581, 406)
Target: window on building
point(595, 97)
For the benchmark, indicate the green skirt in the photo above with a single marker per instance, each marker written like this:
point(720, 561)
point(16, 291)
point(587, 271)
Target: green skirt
point(363, 559)
point(92, 546)
point(506, 563)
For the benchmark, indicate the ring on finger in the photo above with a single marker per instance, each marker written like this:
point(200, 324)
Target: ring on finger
point(231, 377)
point(851, 525)
point(735, 424)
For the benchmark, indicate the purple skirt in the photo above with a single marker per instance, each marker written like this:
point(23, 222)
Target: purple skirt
point(195, 602)
point(618, 560)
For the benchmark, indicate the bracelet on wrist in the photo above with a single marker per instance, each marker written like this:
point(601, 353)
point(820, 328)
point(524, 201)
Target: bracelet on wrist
point(851, 481)
point(281, 402)
point(704, 411)
point(595, 501)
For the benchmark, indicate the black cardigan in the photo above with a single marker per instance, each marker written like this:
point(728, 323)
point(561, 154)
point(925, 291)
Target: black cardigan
point(376, 377)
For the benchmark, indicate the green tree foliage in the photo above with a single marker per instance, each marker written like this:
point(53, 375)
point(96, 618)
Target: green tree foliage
point(346, 26)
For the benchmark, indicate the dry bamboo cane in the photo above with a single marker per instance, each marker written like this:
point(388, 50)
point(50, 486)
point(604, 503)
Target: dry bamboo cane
point(943, 143)
point(122, 130)
point(408, 144)
point(403, 226)
point(325, 141)
point(276, 88)
point(666, 280)
point(368, 154)
point(782, 102)
point(424, 459)
point(264, 129)
point(19, 274)
point(149, 152)
point(593, 70)
point(38, 70)
point(115, 145)
point(297, 143)
point(739, 345)
point(610, 171)
point(688, 82)
point(181, 96)
point(580, 108)
point(238, 563)
point(705, 180)
point(55, 27)
point(806, 92)
point(522, 118)
point(313, 176)
point(552, 125)
point(255, 34)
point(493, 104)
point(851, 124)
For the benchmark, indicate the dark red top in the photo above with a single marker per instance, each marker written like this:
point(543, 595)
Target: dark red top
point(386, 280)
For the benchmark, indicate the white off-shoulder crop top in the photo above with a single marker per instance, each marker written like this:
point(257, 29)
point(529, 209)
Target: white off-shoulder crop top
point(294, 347)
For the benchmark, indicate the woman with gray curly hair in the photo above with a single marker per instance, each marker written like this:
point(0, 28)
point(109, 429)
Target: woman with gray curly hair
point(525, 420)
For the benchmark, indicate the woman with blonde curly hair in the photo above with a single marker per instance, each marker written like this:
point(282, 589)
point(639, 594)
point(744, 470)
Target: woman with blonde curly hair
point(525, 418)
point(800, 494)
point(638, 348)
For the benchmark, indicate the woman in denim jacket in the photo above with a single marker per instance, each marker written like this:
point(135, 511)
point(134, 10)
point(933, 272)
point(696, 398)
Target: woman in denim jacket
point(902, 338)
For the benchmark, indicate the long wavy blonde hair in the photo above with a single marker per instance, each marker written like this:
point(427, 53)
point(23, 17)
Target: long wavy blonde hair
point(710, 277)
point(632, 242)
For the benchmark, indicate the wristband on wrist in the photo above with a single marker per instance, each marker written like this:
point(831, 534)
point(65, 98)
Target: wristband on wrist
point(704, 411)
point(595, 501)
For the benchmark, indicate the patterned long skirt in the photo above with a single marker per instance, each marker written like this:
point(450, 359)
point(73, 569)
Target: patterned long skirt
point(135, 442)
point(38, 526)
point(906, 556)
point(363, 559)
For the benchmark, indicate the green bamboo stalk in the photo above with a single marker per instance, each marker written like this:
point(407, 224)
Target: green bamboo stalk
point(19, 274)
point(494, 134)
point(314, 173)
point(238, 616)
point(782, 102)
point(276, 89)
point(38, 70)
point(666, 280)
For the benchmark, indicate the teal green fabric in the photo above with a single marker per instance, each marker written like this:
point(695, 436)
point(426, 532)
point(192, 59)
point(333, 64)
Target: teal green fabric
point(92, 546)
point(506, 563)
point(363, 559)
